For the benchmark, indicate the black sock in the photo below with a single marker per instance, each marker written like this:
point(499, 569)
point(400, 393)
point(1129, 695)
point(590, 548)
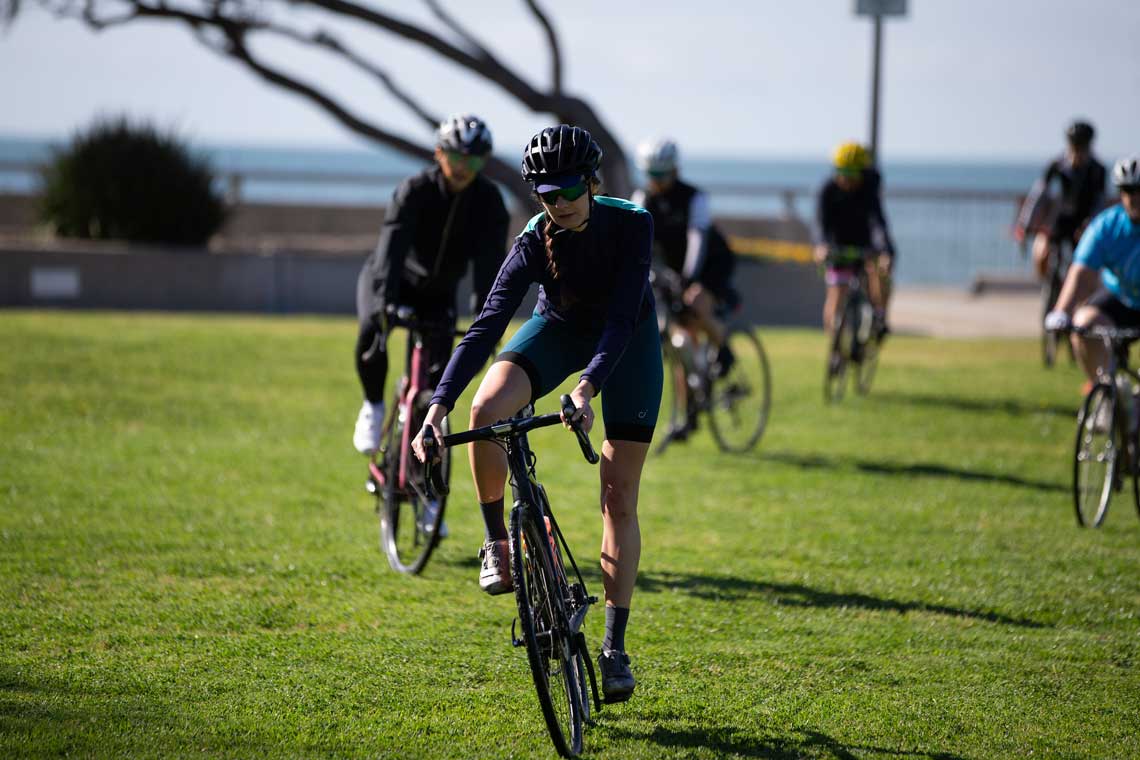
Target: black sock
point(616, 619)
point(494, 528)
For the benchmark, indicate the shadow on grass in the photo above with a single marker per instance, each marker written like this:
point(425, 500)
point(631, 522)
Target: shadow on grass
point(721, 587)
point(914, 470)
point(678, 733)
point(1012, 406)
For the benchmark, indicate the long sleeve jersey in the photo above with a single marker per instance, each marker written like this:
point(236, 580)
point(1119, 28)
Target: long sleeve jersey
point(609, 295)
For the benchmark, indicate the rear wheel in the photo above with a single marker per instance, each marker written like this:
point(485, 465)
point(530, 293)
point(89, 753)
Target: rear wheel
point(1096, 458)
point(741, 398)
point(554, 654)
point(409, 531)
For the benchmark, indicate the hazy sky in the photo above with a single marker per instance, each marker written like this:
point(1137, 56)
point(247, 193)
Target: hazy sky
point(962, 78)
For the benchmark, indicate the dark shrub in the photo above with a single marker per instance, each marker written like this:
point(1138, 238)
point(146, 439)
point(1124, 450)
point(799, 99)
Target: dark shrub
point(121, 181)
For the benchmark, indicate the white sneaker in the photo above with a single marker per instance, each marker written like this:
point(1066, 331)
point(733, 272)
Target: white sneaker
point(369, 423)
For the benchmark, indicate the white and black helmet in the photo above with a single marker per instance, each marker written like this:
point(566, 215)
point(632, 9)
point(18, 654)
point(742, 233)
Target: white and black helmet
point(657, 155)
point(1126, 173)
point(464, 133)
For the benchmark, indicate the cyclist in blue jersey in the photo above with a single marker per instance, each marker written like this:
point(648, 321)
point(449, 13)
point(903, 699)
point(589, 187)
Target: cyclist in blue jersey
point(590, 255)
point(1109, 248)
point(442, 221)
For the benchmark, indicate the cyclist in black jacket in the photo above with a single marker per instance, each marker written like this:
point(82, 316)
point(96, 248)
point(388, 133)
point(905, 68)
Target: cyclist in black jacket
point(849, 212)
point(439, 222)
point(1081, 178)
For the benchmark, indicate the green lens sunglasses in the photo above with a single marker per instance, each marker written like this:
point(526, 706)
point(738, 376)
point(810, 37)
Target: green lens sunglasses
point(572, 193)
point(474, 163)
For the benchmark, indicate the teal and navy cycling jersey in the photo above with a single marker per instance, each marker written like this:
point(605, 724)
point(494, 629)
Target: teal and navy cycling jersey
point(1112, 244)
point(605, 292)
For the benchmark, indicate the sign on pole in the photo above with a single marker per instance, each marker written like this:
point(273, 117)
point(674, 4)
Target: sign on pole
point(880, 7)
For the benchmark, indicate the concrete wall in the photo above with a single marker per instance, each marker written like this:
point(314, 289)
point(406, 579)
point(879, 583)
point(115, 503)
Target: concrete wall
point(111, 277)
point(298, 259)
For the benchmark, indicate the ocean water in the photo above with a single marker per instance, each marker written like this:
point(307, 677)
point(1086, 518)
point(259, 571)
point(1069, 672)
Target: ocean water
point(944, 236)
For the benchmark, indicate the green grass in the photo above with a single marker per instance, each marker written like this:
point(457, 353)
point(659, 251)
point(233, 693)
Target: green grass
point(189, 565)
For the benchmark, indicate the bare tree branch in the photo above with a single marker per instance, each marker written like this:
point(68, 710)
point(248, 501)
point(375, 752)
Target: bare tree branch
point(555, 48)
point(485, 65)
point(225, 27)
point(450, 22)
point(327, 41)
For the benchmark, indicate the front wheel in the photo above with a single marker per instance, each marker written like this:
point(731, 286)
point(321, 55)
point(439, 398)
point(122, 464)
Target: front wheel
point(550, 647)
point(839, 355)
point(409, 527)
point(741, 397)
point(1095, 460)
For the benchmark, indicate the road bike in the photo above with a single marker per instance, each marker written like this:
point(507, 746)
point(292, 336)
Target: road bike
point(855, 338)
point(736, 399)
point(550, 592)
point(1107, 447)
point(410, 519)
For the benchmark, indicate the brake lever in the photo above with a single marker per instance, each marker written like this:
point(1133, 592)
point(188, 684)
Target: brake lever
point(588, 452)
point(434, 482)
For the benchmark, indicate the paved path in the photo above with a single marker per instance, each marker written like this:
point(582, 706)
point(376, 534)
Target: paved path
point(947, 313)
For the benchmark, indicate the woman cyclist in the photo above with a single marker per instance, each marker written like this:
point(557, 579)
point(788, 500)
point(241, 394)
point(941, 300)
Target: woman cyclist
point(590, 255)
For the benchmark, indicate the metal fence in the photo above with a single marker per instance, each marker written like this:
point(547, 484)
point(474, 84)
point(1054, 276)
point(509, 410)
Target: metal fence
point(944, 237)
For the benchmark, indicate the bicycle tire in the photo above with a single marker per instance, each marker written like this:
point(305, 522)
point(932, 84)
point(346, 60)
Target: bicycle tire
point(865, 370)
point(552, 652)
point(405, 539)
point(739, 401)
point(835, 373)
point(675, 368)
point(1095, 457)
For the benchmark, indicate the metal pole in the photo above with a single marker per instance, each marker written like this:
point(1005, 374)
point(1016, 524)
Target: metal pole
point(875, 58)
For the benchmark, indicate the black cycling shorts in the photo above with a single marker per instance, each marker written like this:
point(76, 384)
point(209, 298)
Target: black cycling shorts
point(1107, 303)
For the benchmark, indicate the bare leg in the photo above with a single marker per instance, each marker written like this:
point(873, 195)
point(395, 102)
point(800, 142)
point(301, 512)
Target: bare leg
point(505, 389)
point(621, 466)
point(702, 303)
point(1041, 248)
point(835, 293)
point(1091, 353)
point(874, 285)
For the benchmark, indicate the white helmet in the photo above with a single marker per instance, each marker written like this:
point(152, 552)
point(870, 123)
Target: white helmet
point(1126, 173)
point(658, 154)
point(464, 133)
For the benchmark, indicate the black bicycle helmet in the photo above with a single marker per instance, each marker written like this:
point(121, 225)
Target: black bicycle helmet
point(1080, 133)
point(464, 133)
point(561, 150)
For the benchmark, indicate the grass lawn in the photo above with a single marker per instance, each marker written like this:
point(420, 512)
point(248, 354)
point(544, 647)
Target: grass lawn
point(189, 565)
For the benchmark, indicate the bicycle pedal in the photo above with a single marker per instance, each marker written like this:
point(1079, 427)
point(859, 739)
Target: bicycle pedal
point(515, 641)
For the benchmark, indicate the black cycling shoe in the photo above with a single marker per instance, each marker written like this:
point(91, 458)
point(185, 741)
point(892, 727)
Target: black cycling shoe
point(617, 678)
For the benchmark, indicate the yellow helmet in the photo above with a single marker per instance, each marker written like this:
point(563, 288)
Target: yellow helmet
point(850, 157)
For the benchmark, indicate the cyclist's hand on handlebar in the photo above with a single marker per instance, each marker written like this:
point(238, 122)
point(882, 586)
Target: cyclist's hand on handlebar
point(583, 414)
point(819, 253)
point(1058, 321)
point(432, 422)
